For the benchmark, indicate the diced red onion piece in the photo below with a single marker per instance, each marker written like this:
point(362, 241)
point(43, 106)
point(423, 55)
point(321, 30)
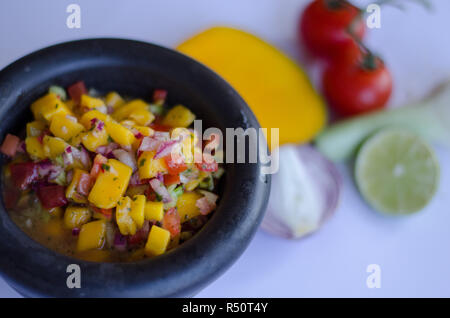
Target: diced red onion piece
point(160, 189)
point(205, 206)
point(120, 242)
point(149, 144)
point(165, 149)
point(126, 158)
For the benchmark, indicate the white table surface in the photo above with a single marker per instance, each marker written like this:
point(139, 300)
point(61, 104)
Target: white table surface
point(413, 252)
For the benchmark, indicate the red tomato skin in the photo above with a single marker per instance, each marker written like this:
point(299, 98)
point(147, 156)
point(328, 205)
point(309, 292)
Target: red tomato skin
point(323, 30)
point(174, 165)
point(170, 179)
point(159, 127)
point(23, 174)
point(141, 235)
point(76, 90)
point(171, 222)
point(159, 95)
point(53, 196)
point(352, 90)
point(9, 146)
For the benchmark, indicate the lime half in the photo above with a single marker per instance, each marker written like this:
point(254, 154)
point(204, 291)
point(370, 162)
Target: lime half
point(397, 172)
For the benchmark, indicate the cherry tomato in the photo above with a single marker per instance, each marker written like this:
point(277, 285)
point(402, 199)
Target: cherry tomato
point(99, 160)
point(52, 196)
point(175, 165)
point(357, 87)
point(324, 28)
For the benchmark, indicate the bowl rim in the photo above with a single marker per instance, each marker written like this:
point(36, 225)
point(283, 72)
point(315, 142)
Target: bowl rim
point(181, 278)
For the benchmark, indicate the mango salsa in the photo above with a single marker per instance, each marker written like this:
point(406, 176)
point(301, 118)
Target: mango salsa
point(110, 185)
point(48, 106)
point(186, 206)
point(54, 146)
point(157, 242)
point(154, 211)
point(149, 167)
point(179, 116)
point(65, 126)
point(92, 236)
point(126, 224)
point(34, 148)
point(75, 216)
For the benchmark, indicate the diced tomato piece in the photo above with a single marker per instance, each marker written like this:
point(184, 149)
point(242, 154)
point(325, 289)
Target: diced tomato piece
point(85, 184)
point(9, 146)
point(208, 165)
point(106, 212)
point(23, 174)
point(171, 222)
point(159, 95)
point(141, 235)
point(175, 164)
point(170, 179)
point(159, 127)
point(53, 196)
point(99, 160)
point(76, 90)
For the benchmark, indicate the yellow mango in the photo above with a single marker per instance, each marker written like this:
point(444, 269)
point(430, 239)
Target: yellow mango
point(137, 210)
point(145, 131)
point(100, 256)
point(94, 139)
point(48, 106)
point(179, 116)
point(35, 128)
point(154, 211)
point(91, 102)
point(54, 146)
point(274, 86)
point(65, 126)
point(126, 224)
point(110, 184)
point(34, 148)
point(75, 216)
point(71, 190)
point(141, 116)
point(124, 111)
point(56, 212)
point(86, 119)
point(149, 167)
point(114, 100)
point(186, 206)
point(120, 134)
point(157, 241)
point(92, 235)
point(70, 104)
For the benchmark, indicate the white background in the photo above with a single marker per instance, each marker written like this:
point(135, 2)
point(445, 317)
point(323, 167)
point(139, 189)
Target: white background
point(413, 252)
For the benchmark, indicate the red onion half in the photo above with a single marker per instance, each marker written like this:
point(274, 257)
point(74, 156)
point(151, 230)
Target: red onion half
point(321, 178)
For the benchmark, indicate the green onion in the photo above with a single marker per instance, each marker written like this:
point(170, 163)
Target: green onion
point(207, 183)
point(429, 119)
point(156, 109)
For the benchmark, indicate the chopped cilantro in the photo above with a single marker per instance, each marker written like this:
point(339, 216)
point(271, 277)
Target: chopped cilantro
point(105, 167)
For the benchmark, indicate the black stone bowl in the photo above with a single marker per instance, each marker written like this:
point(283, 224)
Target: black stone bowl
point(134, 69)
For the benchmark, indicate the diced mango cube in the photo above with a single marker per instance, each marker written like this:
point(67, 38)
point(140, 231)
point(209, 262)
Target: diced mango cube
point(114, 100)
point(75, 216)
point(92, 235)
point(34, 148)
point(145, 131)
point(126, 224)
point(141, 116)
point(94, 139)
point(124, 111)
point(110, 185)
point(54, 146)
point(157, 241)
point(186, 206)
point(154, 211)
point(35, 128)
point(137, 210)
point(48, 106)
point(71, 190)
point(149, 167)
point(86, 119)
point(65, 126)
point(179, 116)
point(120, 134)
point(91, 102)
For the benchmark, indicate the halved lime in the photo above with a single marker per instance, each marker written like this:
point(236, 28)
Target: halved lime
point(397, 172)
